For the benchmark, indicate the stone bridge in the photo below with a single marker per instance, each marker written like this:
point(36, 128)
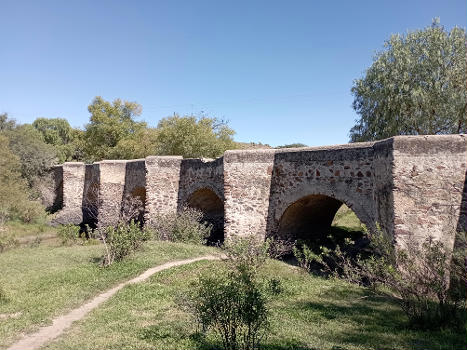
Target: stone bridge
point(409, 185)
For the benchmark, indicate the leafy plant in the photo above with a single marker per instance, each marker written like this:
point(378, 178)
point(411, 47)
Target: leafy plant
point(3, 295)
point(232, 302)
point(7, 240)
point(427, 278)
point(68, 234)
point(121, 241)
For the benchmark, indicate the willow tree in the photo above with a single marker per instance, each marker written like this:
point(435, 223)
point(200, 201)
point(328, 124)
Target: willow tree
point(415, 86)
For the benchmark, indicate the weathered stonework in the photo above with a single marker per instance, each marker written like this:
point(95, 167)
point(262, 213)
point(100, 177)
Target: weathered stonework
point(410, 185)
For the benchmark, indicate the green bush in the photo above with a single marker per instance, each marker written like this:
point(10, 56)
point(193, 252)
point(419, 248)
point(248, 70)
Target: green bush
point(185, 226)
point(31, 212)
point(122, 240)
point(68, 234)
point(3, 296)
point(428, 279)
point(232, 303)
point(7, 240)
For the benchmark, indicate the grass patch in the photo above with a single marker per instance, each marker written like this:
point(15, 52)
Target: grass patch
point(27, 232)
point(311, 313)
point(45, 281)
point(345, 217)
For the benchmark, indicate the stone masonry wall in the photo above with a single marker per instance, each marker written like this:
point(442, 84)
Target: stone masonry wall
point(196, 174)
point(162, 184)
point(344, 173)
point(247, 183)
point(429, 178)
point(73, 184)
point(410, 185)
point(111, 189)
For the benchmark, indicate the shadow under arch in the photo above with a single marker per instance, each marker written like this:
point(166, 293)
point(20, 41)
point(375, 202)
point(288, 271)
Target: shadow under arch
point(211, 205)
point(314, 207)
point(308, 216)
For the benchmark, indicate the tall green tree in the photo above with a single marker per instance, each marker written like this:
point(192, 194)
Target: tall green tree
point(36, 157)
point(59, 133)
point(6, 123)
point(110, 123)
point(15, 200)
point(416, 85)
point(193, 137)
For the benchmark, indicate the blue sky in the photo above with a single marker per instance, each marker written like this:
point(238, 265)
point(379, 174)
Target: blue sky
point(279, 71)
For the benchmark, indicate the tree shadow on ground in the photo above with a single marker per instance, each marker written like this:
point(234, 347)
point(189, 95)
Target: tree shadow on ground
point(377, 320)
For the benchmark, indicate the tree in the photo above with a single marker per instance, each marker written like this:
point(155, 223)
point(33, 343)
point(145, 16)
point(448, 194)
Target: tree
point(6, 123)
point(417, 85)
point(35, 155)
point(58, 133)
point(142, 144)
point(293, 145)
point(14, 193)
point(194, 137)
point(110, 124)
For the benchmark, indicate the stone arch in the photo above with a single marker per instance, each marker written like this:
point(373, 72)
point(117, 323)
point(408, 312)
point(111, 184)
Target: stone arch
point(307, 213)
point(211, 205)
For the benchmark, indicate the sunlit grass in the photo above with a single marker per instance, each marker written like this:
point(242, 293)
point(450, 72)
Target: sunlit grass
point(311, 313)
point(44, 281)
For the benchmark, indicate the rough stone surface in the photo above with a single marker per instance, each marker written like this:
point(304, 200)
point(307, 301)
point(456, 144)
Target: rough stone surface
point(411, 185)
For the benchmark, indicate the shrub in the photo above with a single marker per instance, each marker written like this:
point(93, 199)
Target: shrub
point(31, 211)
point(7, 240)
point(279, 248)
point(3, 296)
point(427, 278)
point(121, 241)
point(233, 304)
point(185, 226)
point(245, 255)
point(68, 234)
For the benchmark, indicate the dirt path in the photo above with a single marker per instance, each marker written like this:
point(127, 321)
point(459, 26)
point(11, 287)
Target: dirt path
point(46, 334)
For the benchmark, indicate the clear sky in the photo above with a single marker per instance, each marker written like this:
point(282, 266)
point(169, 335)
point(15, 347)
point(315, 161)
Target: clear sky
point(279, 71)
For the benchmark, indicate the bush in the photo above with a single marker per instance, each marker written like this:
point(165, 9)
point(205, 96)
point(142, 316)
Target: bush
point(3, 296)
point(233, 304)
point(121, 241)
point(185, 226)
point(428, 279)
point(7, 240)
point(68, 234)
point(31, 211)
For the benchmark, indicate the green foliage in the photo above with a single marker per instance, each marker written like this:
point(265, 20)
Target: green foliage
point(121, 241)
point(6, 123)
point(415, 86)
point(293, 145)
point(185, 226)
point(68, 234)
point(7, 240)
point(36, 157)
point(3, 295)
point(193, 137)
point(142, 144)
point(246, 254)
point(14, 201)
point(58, 133)
point(232, 304)
point(427, 278)
point(110, 123)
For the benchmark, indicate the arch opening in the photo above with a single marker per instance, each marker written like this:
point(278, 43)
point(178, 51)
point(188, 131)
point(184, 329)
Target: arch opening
point(212, 207)
point(321, 221)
